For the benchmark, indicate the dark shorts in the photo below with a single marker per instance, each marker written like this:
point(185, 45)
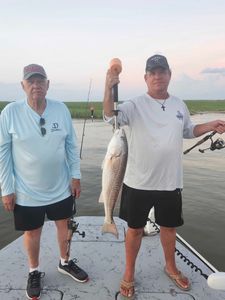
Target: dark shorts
point(136, 204)
point(30, 218)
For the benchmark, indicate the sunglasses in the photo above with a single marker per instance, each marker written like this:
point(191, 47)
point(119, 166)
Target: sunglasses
point(42, 123)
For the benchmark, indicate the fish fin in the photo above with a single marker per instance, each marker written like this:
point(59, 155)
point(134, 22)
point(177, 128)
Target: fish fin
point(120, 194)
point(103, 163)
point(101, 198)
point(110, 228)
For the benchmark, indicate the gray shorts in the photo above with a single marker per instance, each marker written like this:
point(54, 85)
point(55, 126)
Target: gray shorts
point(136, 204)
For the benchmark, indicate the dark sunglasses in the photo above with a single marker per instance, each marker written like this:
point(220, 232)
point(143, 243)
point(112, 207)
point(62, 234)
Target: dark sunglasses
point(42, 123)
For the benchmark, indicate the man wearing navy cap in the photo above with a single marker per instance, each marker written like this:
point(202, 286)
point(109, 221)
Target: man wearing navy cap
point(40, 171)
point(156, 123)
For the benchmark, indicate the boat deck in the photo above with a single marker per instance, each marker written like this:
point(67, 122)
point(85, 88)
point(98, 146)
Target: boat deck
point(102, 256)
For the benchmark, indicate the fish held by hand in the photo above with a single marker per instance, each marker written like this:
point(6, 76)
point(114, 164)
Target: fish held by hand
point(113, 170)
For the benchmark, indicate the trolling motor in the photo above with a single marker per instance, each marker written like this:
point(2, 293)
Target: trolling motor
point(215, 145)
point(217, 281)
point(72, 228)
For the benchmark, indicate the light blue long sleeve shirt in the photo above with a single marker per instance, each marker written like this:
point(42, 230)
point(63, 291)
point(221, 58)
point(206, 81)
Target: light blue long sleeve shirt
point(37, 168)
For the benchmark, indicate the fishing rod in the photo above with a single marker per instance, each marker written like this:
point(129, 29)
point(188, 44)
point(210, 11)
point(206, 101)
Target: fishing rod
point(217, 145)
point(115, 68)
point(72, 228)
point(85, 119)
point(209, 136)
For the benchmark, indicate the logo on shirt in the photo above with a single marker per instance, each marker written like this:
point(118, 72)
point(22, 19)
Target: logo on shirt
point(55, 127)
point(179, 115)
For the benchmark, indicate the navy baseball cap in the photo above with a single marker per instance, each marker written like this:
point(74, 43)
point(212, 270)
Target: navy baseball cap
point(156, 61)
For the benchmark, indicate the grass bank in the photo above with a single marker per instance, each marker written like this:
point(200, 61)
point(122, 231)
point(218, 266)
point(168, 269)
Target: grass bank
point(82, 110)
point(199, 106)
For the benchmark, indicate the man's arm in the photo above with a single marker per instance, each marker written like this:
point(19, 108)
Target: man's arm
point(217, 125)
point(6, 162)
point(9, 202)
point(72, 155)
point(75, 187)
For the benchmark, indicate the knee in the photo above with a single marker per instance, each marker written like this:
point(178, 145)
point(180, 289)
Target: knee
point(62, 226)
point(135, 232)
point(167, 231)
point(32, 234)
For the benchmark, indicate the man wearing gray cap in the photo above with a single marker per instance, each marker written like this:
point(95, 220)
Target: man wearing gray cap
point(40, 171)
point(156, 123)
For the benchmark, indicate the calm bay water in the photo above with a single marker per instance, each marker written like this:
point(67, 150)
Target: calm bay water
point(203, 195)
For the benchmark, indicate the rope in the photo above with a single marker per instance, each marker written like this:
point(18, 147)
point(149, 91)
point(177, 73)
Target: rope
point(181, 255)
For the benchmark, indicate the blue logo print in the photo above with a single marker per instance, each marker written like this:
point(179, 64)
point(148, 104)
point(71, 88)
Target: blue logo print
point(55, 127)
point(179, 115)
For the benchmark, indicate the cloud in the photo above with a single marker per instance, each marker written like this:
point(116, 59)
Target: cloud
point(214, 71)
point(184, 86)
point(208, 88)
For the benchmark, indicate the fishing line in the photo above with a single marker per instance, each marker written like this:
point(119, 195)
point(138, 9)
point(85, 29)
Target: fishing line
point(85, 119)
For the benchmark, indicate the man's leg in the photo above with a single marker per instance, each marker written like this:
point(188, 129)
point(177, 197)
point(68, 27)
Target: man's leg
point(62, 232)
point(168, 240)
point(132, 245)
point(27, 218)
point(67, 268)
point(32, 246)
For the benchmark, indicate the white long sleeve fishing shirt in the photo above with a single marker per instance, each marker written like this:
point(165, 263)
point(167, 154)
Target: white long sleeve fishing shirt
point(37, 168)
point(155, 141)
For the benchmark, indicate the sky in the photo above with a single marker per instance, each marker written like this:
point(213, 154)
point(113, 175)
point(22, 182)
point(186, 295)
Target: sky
point(75, 41)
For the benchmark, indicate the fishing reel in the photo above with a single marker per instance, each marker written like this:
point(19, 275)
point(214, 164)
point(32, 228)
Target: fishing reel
point(73, 225)
point(215, 145)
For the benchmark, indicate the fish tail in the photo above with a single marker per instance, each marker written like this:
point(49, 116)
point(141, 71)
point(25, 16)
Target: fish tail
point(101, 198)
point(110, 228)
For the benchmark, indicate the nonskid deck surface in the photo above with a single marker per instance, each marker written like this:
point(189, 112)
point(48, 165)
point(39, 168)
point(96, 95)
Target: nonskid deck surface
point(102, 256)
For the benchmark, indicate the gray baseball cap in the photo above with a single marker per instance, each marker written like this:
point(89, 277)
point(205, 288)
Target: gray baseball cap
point(156, 61)
point(33, 69)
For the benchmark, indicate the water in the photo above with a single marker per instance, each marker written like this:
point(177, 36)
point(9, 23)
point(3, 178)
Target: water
point(203, 195)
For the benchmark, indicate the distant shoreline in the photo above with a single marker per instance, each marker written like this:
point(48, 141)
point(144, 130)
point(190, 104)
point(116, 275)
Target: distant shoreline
point(208, 112)
point(83, 110)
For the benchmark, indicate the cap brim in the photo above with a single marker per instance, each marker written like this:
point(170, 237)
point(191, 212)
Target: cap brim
point(27, 76)
point(157, 66)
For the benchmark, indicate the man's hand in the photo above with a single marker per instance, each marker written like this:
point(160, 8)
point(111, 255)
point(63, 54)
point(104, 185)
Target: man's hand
point(111, 79)
point(75, 187)
point(217, 125)
point(9, 202)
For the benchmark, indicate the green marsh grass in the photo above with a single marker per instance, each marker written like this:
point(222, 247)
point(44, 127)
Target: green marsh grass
point(81, 110)
point(201, 106)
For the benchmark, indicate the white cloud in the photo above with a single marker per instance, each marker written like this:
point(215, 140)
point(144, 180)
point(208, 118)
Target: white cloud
point(209, 87)
point(214, 71)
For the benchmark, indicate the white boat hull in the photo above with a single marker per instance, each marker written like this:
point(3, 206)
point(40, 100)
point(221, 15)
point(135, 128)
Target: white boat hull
point(102, 256)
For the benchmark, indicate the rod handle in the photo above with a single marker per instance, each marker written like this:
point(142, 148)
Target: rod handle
point(116, 68)
point(115, 93)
